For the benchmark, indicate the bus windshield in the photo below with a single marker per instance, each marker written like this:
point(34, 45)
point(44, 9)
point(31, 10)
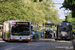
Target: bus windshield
point(20, 30)
point(64, 28)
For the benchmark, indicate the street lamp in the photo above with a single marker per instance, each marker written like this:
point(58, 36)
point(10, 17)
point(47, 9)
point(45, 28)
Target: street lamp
point(66, 12)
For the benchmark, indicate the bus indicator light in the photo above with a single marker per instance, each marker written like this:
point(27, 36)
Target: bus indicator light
point(13, 22)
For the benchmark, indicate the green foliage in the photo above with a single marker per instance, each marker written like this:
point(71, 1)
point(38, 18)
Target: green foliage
point(70, 19)
point(69, 4)
point(35, 12)
point(11, 10)
point(54, 28)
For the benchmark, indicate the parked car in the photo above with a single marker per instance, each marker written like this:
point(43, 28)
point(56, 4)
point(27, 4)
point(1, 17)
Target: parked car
point(40, 32)
point(32, 34)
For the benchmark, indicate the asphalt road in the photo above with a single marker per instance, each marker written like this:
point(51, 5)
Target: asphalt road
point(59, 45)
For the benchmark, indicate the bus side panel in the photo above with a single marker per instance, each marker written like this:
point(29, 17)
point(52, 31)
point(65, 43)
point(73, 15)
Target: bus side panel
point(6, 31)
point(57, 32)
point(70, 33)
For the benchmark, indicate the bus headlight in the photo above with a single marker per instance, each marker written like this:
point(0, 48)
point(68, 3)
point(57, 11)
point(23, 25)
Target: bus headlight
point(28, 38)
point(11, 38)
point(63, 33)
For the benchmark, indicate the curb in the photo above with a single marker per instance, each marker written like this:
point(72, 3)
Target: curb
point(52, 40)
point(42, 40)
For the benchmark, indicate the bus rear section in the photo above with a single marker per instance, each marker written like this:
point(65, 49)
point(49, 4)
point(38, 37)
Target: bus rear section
point(18, 31)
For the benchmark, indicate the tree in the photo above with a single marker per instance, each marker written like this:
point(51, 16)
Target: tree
point(69, 4)
point(34, 12)
point(70, 19)
point(12, 10)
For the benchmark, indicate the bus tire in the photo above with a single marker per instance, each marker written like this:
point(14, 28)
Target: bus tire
point(56, 39)
point(26, 41)
point(3, 40)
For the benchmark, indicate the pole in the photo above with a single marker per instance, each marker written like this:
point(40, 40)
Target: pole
point(65, 18)
point(44, 30)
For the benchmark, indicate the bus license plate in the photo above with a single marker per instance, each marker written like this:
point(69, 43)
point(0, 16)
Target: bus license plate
point(20, 39)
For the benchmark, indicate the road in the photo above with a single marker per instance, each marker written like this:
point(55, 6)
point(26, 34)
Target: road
point(60, 45)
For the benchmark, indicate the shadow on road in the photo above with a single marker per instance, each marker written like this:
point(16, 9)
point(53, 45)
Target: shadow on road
point(17, 41)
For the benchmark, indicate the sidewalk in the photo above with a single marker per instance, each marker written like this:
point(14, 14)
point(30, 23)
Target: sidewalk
point(0, 39)
point(43, 40)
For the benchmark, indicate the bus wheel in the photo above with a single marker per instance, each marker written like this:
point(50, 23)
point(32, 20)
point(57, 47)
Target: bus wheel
point(56, 39)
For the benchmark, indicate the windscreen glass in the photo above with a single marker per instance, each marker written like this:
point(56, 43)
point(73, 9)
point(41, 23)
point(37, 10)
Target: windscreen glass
point(64, 28)
point(20, 29)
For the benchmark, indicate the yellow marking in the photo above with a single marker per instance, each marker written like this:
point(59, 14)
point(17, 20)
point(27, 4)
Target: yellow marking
point(65, 41)
point(47, 25)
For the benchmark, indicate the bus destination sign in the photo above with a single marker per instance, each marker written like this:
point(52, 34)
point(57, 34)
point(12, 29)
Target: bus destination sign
point(22, 23)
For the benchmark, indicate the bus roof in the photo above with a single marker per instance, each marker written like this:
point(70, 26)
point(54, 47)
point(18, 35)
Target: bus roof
point(62, 23)
point(15, 21)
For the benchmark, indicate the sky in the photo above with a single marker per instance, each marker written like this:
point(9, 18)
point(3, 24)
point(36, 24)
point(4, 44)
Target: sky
point(60, 11)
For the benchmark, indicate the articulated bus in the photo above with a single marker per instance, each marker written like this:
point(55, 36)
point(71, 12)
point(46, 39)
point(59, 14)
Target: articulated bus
point(15, 30)
point(64, 31)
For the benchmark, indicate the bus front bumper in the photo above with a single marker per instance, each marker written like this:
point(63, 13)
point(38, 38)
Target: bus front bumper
point(20, 39)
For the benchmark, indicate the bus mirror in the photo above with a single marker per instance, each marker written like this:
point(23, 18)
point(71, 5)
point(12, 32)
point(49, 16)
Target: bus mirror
point(31, 27)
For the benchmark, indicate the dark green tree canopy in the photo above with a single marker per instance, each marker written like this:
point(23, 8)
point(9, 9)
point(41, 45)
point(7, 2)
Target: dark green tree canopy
point(69, 4)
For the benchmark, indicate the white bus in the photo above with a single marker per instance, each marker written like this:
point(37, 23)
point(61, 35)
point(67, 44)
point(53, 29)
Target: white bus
point(15, 30)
